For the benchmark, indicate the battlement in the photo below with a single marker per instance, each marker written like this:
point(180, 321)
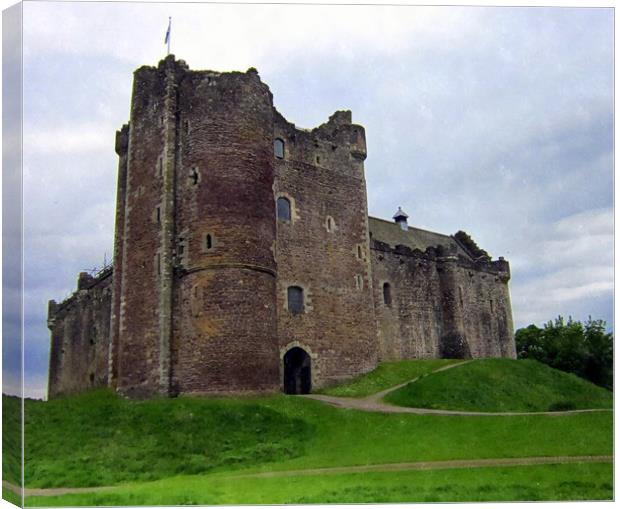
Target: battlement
point(443, 252)
point(337, 144)
point(85, 283)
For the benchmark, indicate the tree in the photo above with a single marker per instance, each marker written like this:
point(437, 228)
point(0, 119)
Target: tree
point(600, 359)
point(585, 350)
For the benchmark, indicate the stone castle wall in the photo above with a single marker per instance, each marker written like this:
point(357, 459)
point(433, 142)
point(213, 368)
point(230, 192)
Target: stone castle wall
point(80, 328)
point(441, 304)
point(197, 302)
point(324, 248)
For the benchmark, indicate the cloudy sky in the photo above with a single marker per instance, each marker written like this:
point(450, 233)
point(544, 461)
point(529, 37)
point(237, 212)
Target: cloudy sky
point(497, 121)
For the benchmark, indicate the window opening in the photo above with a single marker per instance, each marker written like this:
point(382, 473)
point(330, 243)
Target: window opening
point(387, 294)
point(284, 209)
point(193, 176)
point(295, 296)
point(278, 148)
point(329, 224)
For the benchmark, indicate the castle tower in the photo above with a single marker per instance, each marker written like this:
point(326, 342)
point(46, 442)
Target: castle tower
point(195, 275)
point(245, 261)
point(326, 321)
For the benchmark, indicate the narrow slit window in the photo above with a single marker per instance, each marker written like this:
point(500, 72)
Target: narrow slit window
point(295, 297)
point(158, 215)
point(329, 224)
point(284, 209)
point(194, 176)
point(359, 252)
point(208, 241)
point(278, 148)
point(359, 282)
point(387, 294)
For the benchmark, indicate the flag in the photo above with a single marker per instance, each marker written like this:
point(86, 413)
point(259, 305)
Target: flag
point(168, 31)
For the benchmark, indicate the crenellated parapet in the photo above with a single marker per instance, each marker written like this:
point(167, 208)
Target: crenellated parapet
point(500, 267)
point(337, 144)
point(85, 283)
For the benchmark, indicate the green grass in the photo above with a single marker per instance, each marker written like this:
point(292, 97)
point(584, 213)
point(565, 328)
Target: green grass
point(11, 497)
point(387, 374)
point(502, 385)
point(98, 438)
point(184, 450)
point(11, 439)
point(587, 481)
point(101, 439)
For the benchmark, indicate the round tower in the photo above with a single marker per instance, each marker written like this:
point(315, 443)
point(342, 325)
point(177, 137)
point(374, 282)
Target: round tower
point(224, 316)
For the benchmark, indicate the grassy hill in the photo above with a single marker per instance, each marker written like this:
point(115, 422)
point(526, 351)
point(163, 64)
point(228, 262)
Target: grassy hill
point(386, 375)
point(502, 385)
point(192, 450)
point(98, 438)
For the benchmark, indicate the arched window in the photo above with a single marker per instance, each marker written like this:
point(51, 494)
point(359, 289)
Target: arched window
point(284, 209)
point(295, 296)
point(387, 294)
point(278, 148)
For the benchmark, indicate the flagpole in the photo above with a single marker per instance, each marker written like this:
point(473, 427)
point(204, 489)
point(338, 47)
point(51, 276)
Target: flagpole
point(169, 32)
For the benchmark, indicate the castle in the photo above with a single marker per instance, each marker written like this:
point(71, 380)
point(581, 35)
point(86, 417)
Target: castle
point(245, 261)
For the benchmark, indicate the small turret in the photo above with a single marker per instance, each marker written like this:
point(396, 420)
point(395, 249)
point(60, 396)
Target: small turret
point(400, 218)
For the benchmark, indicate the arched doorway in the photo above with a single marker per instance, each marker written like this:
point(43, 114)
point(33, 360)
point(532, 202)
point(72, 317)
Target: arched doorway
point(297, 374)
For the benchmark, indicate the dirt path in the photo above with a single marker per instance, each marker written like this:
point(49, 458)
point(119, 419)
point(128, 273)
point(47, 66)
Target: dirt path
point(435, 465)
point(375, 403)
point(386, 467)
point(49, 492)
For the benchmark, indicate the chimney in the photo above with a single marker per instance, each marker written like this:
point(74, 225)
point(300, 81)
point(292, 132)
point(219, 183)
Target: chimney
point(401, 219)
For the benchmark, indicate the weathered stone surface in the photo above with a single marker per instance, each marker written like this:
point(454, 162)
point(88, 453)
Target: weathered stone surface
point(198, 299)
point(80, 337)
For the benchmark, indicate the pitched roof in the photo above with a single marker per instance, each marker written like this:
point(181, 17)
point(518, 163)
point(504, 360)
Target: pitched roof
point(414, 238)
point(400, 213)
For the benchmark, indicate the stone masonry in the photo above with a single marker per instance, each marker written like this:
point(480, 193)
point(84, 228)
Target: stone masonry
point(245, 261)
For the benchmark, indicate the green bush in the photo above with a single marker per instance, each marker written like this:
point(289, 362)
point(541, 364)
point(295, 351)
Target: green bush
point(583, 349)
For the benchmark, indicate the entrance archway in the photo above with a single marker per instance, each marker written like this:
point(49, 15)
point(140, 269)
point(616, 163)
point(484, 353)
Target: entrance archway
point(297, 372)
